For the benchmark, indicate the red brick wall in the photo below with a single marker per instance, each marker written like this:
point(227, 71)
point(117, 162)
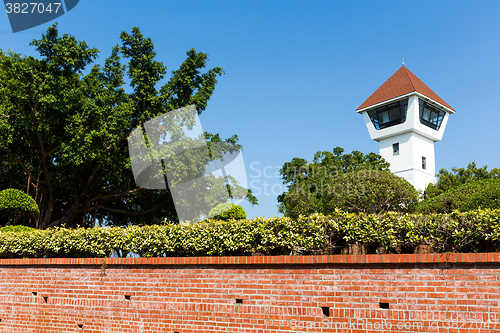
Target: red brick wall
point(423, 293)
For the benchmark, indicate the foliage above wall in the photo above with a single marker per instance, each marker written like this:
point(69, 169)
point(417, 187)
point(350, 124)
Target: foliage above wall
point(474, 231)
point(468, 196)
point(355, 183)
point(449, 180)
point(334, 179)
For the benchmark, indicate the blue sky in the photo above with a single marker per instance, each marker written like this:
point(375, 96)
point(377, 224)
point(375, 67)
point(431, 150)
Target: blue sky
point(297, 70)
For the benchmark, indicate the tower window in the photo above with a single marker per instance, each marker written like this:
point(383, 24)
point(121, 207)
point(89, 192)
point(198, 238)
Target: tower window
point(389, 115)
point(430, 116)
point(395, 149)
point(424, 163)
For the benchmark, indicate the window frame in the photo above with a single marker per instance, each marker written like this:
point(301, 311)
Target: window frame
point(430, 115)
point(395, 149)
point(376, 115)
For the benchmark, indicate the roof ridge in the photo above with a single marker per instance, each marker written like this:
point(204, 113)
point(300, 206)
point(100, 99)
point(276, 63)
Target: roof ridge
point(409, 77)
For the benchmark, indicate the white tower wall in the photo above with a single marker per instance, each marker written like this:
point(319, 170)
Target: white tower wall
point(408, 163)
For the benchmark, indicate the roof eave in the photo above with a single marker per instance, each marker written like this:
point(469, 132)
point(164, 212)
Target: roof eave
point(385, 102)
point(448, 109)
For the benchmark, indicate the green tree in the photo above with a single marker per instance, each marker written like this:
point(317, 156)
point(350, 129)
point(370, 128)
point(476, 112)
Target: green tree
point(64, 128)
point(371, 191)
point(309, 183)
point(448, 180)
point(472, 195)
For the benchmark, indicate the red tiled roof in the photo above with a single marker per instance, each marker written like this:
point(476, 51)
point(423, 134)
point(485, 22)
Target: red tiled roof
point(401, 83)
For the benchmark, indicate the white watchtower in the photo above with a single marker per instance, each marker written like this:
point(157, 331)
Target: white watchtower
point(406, 117)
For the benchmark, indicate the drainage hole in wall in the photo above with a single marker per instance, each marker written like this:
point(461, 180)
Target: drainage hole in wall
point(326, 311)
point(127, 297)
point(383, 305)
point(34, 293)
point(239, 301)
point(45, 298)
point(80, 325)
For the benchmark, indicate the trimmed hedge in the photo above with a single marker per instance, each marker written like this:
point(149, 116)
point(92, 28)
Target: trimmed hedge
point(474, 231)
point(469, 196)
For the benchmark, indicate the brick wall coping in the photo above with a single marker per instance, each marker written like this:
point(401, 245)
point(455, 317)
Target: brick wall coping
point(255, 260)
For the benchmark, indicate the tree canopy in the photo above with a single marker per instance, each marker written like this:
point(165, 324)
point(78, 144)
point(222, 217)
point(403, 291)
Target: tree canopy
point(64, 127)
point(311, 186)
point(448, 180)
point(472, 195)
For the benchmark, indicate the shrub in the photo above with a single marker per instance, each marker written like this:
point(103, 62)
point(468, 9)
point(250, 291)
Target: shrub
point(466, 197)
point(228, 211)
point(16, 228)
point(14, 203)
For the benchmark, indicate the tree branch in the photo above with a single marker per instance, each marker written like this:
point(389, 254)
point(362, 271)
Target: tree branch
point(131, 213)
point(23, 166)
point(116, 194)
